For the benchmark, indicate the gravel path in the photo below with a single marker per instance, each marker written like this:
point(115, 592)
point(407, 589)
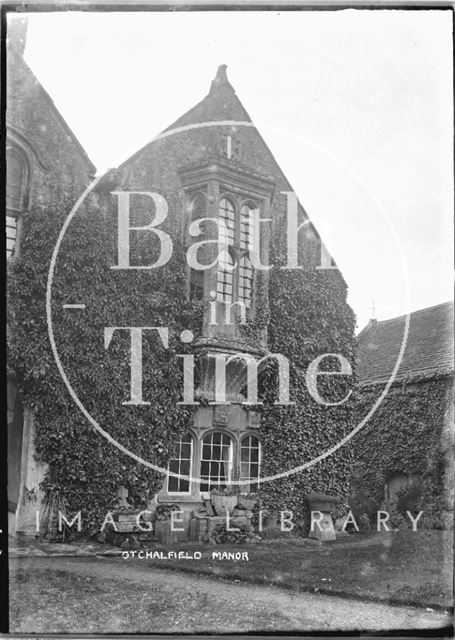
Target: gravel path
point(157, 601)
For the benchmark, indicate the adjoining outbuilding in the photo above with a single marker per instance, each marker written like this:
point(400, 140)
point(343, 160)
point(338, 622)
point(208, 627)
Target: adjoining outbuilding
point(404, 455)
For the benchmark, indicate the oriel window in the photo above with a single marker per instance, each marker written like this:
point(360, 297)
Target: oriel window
point(196, 277)
point(236, 236)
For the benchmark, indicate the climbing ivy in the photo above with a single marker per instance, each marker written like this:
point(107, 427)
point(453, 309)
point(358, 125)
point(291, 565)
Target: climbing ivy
point(406, 434)
point(84, 469)
point(309, 317)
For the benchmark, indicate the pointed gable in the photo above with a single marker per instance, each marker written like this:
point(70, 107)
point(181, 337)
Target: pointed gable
point(32, 113)
point(220, 104)
point(181, 145)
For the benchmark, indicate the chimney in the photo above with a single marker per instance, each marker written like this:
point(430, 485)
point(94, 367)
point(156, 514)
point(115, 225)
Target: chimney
point(372, 324)
point(16, 33)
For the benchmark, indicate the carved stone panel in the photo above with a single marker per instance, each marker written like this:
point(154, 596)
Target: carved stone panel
point(254, 419)
point(221, 415)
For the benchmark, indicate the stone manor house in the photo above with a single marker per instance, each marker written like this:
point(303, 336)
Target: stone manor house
point(224, 171)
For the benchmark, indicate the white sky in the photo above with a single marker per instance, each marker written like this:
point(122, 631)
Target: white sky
point(344, 99)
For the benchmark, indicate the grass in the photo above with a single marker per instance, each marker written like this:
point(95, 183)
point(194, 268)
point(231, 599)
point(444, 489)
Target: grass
point(402, 568)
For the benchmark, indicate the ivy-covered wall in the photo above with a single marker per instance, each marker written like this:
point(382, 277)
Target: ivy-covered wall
point(306, 316)
point(309, 316)
point(54, 164)
point(84, 469)
point(410, 433)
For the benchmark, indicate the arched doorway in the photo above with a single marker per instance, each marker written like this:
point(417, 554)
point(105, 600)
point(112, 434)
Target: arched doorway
point(395, 483)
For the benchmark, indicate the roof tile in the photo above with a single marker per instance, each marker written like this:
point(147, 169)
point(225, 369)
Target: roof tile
point(429, 348)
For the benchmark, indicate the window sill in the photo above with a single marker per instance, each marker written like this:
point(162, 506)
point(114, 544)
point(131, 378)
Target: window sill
point(179, 497)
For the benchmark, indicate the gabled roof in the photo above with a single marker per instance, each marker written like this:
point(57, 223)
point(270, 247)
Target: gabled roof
point(16, 40)
point(221, 104)
point(19, 60)
point(90, 166)
point(429, 348)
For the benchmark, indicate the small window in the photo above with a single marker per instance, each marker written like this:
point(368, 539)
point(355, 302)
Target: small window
point(230, 146)
point(250, 462)
point(216, 461)
point(16, 183)
point(11, 232)
point(181, 464)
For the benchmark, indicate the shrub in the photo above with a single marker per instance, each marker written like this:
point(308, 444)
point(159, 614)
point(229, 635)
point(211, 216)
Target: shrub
point(163, 511)
point(245, 534)
point(361, 503)
point(409, 499)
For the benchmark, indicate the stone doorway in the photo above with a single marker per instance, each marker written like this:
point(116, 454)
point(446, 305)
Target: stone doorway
point(395, 483)
point(25, 470)
point(15, 421)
